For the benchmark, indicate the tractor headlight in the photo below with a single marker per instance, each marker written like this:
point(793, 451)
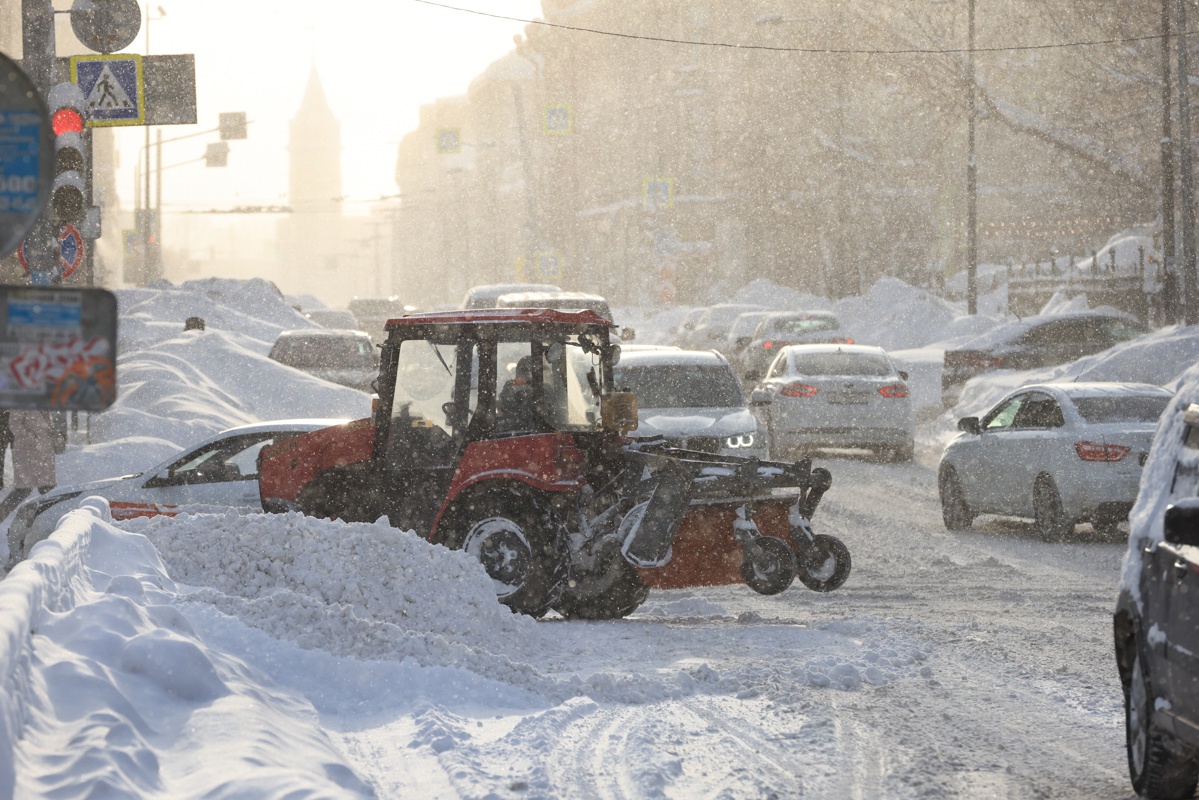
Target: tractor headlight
point(739, 441)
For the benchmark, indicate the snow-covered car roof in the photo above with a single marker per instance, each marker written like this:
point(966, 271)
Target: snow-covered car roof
point(834, 348)
point(1011, 330)
point(485, 295)
point(314, 423)
point(1099, 389)
point(642, 358)
point(802, 315)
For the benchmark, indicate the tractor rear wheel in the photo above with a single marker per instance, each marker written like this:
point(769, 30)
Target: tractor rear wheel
point(519, 541)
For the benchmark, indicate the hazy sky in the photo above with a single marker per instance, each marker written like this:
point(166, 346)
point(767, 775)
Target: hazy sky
point(379, 61)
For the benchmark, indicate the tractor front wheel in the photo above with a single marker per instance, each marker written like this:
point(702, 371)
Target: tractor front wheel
point(518, 540)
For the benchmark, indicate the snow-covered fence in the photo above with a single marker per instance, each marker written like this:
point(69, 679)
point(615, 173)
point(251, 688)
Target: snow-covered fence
point(42, 581)
point(1133, 287)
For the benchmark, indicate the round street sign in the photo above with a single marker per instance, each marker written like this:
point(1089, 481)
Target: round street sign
point(27, 157)
point(70, 251)
point(106, 26)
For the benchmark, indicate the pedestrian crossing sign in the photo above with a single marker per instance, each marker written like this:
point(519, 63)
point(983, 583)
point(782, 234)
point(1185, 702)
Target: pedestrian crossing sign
point(113, 88)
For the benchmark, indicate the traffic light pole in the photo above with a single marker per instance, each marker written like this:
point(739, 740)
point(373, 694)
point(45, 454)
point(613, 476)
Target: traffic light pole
point(37, 43)
point(38, 60)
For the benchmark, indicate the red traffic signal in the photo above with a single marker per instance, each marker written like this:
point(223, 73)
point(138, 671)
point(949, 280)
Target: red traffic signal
point(68, 195)
point(66, 120)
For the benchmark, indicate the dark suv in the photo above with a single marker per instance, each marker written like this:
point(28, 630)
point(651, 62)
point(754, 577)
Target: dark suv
point(1157, 614)
point(1033, 342)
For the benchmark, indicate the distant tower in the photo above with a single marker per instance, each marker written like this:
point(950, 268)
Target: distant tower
point(311, 244)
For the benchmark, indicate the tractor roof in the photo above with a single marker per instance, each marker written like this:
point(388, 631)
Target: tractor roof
point(501, 316)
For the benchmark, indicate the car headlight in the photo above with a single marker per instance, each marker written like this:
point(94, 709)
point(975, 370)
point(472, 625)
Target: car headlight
point(31, 509)
point(740, 440)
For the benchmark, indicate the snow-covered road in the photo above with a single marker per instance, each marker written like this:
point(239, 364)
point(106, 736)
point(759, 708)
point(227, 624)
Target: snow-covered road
point(951, 665)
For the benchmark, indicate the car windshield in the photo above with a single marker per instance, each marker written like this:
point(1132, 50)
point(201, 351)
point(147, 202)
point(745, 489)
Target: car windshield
point(1123, 408)
point(681, 385)
point(324, 352)
point(745, 324)
point(856, 364)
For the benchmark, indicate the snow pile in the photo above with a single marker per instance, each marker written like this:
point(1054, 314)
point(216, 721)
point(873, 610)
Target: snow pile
point(176, 387)
point(368, 591)
point(1161, 358)
point(768, 294)
point(254, 309)
point(116, 696)
point(896, 316)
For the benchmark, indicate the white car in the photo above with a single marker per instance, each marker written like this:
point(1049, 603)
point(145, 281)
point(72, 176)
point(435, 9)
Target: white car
point(839, 396)
point(1059, 453)
point(693, 399)
point(221, 471)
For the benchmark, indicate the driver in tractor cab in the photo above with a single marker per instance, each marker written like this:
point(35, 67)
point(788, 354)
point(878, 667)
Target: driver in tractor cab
point(514, 406)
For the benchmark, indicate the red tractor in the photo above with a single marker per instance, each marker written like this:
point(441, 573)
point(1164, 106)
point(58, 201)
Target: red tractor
point(499, 432)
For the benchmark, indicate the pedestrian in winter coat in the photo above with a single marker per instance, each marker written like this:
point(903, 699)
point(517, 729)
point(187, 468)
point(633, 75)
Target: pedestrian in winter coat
point(32, 449)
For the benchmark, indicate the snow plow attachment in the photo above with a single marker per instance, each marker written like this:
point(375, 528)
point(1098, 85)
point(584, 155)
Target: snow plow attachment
point(707, 520)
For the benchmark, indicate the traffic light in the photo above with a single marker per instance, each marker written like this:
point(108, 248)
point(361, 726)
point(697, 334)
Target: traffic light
point(67, 199)
point(232, 125)
point(216, 154)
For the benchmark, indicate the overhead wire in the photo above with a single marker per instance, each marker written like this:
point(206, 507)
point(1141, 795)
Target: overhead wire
point(861, 51)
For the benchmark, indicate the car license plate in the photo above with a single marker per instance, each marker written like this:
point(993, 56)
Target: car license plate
point(848, 398)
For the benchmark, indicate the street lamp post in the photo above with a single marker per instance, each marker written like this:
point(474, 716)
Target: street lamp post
point(149, 224)
point(1187, 179)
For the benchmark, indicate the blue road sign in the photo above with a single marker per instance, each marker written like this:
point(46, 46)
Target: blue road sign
point(113, 88)
point(20, 144)
point(26, 155)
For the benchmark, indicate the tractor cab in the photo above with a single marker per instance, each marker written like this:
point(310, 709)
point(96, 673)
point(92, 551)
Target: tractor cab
point(448, 380)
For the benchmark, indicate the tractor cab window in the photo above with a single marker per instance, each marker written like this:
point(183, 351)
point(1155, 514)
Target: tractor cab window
point(423, 412)
point(573, 381)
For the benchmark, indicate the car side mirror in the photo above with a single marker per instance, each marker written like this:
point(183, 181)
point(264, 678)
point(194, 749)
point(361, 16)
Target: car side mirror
point(618, 412)
point(903, 374)
point(970, 425)
point(1182, 523)
point(760, 397)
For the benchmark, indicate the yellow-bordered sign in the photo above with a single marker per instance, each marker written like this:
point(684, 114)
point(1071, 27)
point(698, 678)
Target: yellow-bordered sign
point(113, 88)
point(658, 192)
point(559, 120)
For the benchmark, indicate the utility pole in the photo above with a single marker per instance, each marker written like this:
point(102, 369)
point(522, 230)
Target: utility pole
point(1171, 289)
point(1187, 262)
point(972, 172)
point(38, 62)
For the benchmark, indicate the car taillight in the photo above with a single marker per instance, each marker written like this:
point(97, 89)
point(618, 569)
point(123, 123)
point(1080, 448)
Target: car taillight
point(894, 390)
point(985, 362)
point(849, 340)
point(1097, 451)
point(767, 345)
point(798, 390)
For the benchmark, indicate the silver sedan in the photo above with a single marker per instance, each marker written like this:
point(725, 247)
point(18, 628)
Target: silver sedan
point(1059, 453)
point(838, 396)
